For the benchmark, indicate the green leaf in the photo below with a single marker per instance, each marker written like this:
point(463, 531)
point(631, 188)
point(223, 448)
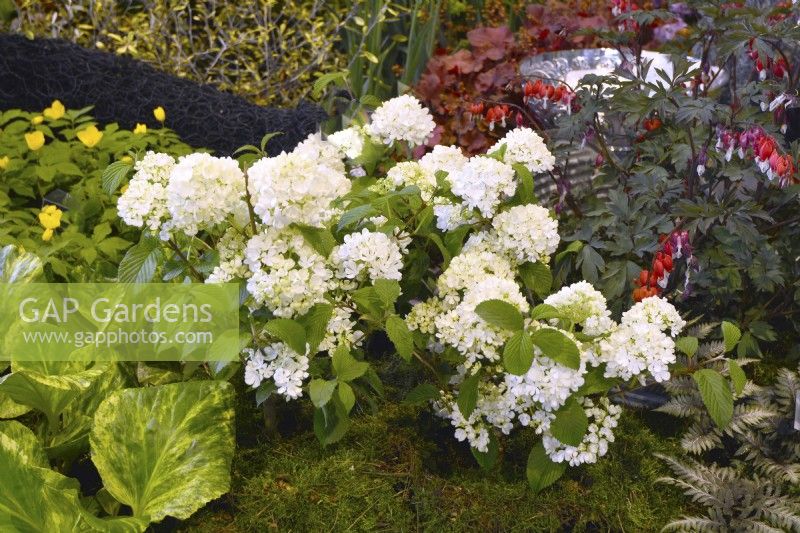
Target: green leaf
point(525, 192)
point(315, 323)
point(320, 239)
point(331, 422)
point(731, 334)
point(537, 277)
point(468, 394)
point(501, 314)
point(595, 382)
point(140, 261)
point(518, 353)
point(738, 377)
point(541, 471)
point(289, 331)
point(27, 447)
point(487, 459)
point(687, 345)
point(368, 301)
point(557, 346)
point(544, 312)
point(388, 291)
point(354, 215)
point(401, 337)
point(570, 424)
point(323, 81)
point(716, 394)
point(114, 174)
point(345, 366)
point(320, 391)
point(346, 395)
point(11, 409)
point(167, 450)
point(421, 394)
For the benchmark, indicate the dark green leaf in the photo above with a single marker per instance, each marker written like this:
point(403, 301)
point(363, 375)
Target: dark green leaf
point(501, 314)
point(716, 394)
point(570, 424)
point(518, 353)
point(541, 471)
point(289, 331)
point(468, 394)
point(401, 337)
point(557, 346)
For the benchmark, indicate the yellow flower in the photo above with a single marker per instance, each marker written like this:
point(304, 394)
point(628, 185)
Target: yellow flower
point(90, 136)
point(55, 111)
point(37, 120)
point(50, 219)
point(34, 140)
point(4, 162)
point(160, 114)
point(140, 128)
point(126, 159)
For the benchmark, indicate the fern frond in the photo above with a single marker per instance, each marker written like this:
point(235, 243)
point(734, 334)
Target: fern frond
point(690, 524)
point(682, 405)
point(700, 438)
point(710, 350)
point(701, 331)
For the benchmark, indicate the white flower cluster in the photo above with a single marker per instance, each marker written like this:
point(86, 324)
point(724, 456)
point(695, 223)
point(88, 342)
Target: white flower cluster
point(341, 331)
point(407, 173)
point(603, 418)
point(547, 384)
point(368, 255)
point(278, 362)
point(401, 119)
point(483, 183)
point(527, 233)
point(286, 274)
point(144, 202)
point(449, 216)
point(585, 306)
point(202, 192)
point(349, 141)
point(523, 145)
point(231, 248)
point(449, 159)
point(298, 187)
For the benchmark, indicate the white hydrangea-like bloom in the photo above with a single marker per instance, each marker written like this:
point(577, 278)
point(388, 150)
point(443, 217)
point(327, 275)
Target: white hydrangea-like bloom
point(341, 331)
point(144, 202)
point(469, 268)
point(449, 216)
point(494, 408)
point(401, 119)
point(408, 173)
point(349, 141)
point(231, 258)
point(287, 275)
point(280, 363)
point(298, 187)
point(450, 159)
point(523, 145)
point(463, 329)
point(603, 418)
point(422, 316)
point(584, 305)
point(656, 311)
point(203, 191)
point(547, 383)
point(632, 349)
point(527, 233)
point(368, 254)
point(483, 183)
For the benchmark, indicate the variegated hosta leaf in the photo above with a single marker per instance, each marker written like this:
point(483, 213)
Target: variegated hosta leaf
point(29, 450)
point(17, 266)
point(48, 386)
point(11, 409)
point(165, 450)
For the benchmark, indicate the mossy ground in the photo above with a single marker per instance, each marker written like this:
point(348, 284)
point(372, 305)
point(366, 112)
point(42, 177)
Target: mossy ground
point(401, 470)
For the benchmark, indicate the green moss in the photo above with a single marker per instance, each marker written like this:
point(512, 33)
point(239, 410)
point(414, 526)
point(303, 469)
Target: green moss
point(401, 470)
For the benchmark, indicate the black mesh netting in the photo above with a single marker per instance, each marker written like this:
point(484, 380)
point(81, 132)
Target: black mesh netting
point(33, 73)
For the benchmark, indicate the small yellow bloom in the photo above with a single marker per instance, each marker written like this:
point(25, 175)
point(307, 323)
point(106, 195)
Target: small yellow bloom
point(160, 114)
point(140, 128)
point(126, 159)
point(50, 219)
point(34, 140)
point(90, 136)
point(55, 111)
point(37, 120)
point(4, 162)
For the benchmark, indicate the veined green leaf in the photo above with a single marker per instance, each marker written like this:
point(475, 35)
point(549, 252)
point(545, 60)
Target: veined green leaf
point(401, 337)
point(570, 424)
point(518, 353)
point(716, 394)
point(541, 471)
point(501, 314)
point(557, 346)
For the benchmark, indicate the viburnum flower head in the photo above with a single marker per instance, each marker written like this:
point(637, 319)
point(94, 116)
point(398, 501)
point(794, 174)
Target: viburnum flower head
point(349, 141)
point(298, 187)
point(401, 119)
point(144, 202)
point(286, 274)
point(483, 183)
point(203, 191)
point(368, 254)
point(523, 145)
point(583, 305)
point(279, 362)
point(446, 158)
point(407, 173)
point(527, 233)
